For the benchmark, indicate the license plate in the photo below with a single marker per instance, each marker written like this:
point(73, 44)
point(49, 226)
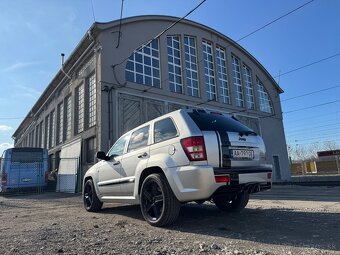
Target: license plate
point(244, 154)
point(26, 179)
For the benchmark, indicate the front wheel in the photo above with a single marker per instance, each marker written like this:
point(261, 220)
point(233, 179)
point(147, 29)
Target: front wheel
point(90, 198)
point(159, 205)
point(237, 204)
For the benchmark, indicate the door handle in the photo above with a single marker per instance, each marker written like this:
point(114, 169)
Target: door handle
point(142, 155)
point(116, 163)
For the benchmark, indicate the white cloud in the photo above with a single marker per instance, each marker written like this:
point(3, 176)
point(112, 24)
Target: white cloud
point(5, 128)
point(5, 146)
point(28, 91)
point(19, 65)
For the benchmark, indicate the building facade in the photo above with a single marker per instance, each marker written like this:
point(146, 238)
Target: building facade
point(122, 74)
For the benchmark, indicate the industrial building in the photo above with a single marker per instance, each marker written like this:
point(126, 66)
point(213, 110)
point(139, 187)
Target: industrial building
point(126, 72)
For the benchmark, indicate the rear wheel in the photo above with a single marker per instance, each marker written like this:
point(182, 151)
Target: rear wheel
point(159, 205)
point(235, 205)
point(91, 200)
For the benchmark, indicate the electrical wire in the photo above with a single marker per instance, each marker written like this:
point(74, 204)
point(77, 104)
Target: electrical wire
point(273, 21)
point(310, 93)
point(311, 107)
point(94, 17)
point(141, 47)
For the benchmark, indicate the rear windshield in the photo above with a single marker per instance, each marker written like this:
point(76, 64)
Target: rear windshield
point(27, 155)
point(220, 123)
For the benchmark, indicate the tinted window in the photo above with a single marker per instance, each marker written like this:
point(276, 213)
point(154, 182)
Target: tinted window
point(164, 130)
point(139, 139)
point(215, 122)
point(27, 155)
point(118, 147)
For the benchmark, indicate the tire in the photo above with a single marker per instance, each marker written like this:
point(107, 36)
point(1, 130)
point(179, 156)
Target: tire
point(90, 198)
point(159, 205)
point(235, 205)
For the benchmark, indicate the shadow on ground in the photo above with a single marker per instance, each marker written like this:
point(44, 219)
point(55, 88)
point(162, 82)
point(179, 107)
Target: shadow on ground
point(270, 226)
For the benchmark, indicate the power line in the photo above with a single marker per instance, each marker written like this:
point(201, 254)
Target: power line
point(311, 132)
point(314, 138)
point(273, 21)
point(313, 106)
point(313, 127)
point(139, 48)
point(304, 66)
point(311, 117)
point(94, 17)
point(310, 93)
point(12, 118)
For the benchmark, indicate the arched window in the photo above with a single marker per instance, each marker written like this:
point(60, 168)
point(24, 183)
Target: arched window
point(143, 66)
point(265, 102)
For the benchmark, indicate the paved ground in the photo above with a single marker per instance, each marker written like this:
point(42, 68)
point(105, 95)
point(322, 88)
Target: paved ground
point(286, 220)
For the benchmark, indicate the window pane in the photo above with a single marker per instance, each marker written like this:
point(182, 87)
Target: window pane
point(164, 130)
point(139, 139)
point(118, 147)
point(174, 64)
point(141, 63)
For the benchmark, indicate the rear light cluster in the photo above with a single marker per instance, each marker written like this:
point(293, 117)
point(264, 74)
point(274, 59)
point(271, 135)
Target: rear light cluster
point(4, 179)
point(222, 178)
point(194, 148)
point(269, 176)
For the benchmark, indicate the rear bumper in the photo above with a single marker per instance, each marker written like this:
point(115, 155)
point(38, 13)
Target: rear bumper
point(190, 183)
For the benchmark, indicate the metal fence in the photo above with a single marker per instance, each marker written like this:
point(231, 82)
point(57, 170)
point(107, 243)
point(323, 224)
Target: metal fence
point(52, 175)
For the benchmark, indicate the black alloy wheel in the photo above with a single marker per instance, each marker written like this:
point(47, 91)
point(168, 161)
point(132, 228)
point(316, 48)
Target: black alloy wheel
point(91, 201)
point(158, 203)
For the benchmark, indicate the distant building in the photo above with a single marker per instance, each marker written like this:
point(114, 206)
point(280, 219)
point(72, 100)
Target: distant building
point(110, 88)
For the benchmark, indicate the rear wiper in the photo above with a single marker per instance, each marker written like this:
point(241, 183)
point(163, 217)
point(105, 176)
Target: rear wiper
point(242, 133)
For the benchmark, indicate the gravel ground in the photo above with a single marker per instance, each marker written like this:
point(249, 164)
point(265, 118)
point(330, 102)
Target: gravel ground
point(286, 220)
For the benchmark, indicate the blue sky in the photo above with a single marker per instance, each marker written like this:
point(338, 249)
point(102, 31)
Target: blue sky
point(35, 32)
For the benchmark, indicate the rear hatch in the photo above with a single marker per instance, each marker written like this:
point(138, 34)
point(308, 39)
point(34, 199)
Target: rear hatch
point(239, 146)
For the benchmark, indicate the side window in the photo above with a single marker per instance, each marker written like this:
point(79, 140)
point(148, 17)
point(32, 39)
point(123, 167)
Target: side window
point(164, 130)
point(139, 139)
point(118, 147)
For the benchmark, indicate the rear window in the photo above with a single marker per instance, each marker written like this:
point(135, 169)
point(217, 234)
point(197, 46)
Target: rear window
point(220, 123)
point(27, 156)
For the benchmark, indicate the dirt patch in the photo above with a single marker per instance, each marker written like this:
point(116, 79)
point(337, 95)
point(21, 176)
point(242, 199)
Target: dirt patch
point(286, 220)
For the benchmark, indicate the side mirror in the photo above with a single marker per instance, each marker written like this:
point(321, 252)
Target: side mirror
point(101, 155)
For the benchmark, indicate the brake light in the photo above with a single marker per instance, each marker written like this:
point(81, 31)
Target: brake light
point(222, 178)
point(269, 176)
point(4, 179)
point(194, 148)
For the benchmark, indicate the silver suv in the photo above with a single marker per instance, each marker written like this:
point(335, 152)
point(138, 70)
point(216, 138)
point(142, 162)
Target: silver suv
point(183, 156)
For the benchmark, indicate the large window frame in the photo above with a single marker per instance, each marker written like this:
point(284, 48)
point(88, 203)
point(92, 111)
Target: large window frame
point(222, 74)
point(264, 100)
point(174, 64)
point(143, 66)
point(237, 80)
point(248, 84)
point(191, 66)
point(209, 70)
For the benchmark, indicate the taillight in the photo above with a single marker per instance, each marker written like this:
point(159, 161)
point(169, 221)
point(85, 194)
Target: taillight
point(269, 176)
point(46, 176)
point(222, 178)
point(194, 148)
point(4, 179)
